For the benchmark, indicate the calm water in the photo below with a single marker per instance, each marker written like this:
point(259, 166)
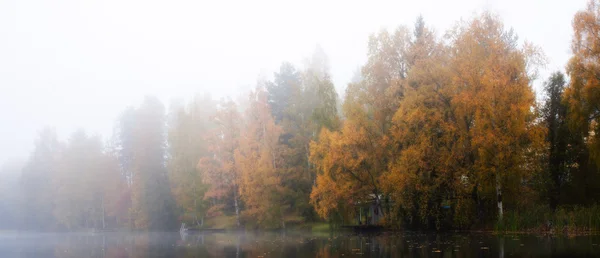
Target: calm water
point(289, 245)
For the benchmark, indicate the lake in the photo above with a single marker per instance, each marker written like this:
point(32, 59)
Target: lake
point(294, 244)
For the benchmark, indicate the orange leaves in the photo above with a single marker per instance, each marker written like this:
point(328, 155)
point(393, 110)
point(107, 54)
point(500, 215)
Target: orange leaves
point(462, 114)
point(325, 196)
point(583, 95)
point(218, 169)
point(258, 160)
point(494, 105)
point(350, 162)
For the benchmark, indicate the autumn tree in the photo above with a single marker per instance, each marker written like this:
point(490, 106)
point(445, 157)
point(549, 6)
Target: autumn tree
point(351, 162)
point(301, 102)
point(583, 101)
point(293, 115)
point(423, 170)
point(152, 204)
point(85, 183)
point(219, 170)
point(36, 182)
point(260, 164)
point(73, 182)
point(186, 146)
point(112, 192)
point(495, 104)
point(582, 93)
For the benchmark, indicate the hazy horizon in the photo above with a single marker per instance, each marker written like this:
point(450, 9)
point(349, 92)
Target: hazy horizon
point(77, 64)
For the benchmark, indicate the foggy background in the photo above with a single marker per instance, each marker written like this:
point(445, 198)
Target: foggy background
point(73, 64)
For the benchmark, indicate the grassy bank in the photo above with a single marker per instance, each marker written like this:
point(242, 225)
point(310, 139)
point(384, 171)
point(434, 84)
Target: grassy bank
point(536, 219)
point(220, 222)
point(292, 223)
point(541, 219)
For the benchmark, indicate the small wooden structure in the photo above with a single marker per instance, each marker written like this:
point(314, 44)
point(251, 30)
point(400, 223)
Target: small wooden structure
point(368, 212)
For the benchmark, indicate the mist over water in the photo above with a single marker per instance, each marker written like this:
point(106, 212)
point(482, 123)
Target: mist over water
point(281, 129)
point(292, 244)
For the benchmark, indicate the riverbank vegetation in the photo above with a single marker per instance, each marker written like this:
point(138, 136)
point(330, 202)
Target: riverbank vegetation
point(437, 131)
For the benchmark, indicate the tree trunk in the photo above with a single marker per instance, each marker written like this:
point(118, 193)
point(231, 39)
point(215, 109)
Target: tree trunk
point(237, 208)
point(499, 197)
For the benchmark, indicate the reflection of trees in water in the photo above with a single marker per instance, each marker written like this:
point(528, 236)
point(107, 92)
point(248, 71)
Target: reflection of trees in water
point(228, 245)
point(273, 244)
point(78, 246)
point(267, 245)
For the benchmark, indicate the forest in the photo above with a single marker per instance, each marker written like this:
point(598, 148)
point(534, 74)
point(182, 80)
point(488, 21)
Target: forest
point(437, 131)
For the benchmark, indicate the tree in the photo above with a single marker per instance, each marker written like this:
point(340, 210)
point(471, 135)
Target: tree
point(74, 182)
point(10, 192)
point(583, 102)
point(220, 170)
point(86, 184)
point(36, 182)
point(259, 161)
point(152, 204)
point(309, 103)
point(319, 94)
point(280, 92)
point(582, 93)
point(495, 103)
point(554, 114)
point(187, 145)
point(423, 166)
point(351, 162)
point(123, 139)
point(113, 195)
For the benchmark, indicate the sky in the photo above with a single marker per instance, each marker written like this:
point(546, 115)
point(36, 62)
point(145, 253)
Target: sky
point(73, 64)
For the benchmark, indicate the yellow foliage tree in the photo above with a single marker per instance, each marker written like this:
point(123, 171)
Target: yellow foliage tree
point(494, 104)
point(187, 144)
point(259, 162)
point(219, 170)
point(352, 161)
point(582, 95)
point(421, 172)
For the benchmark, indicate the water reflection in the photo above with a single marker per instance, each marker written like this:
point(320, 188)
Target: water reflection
point(293, 244)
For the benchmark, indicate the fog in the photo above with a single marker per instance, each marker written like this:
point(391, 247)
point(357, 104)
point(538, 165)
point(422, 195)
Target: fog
point(172, 123)
point(77, 64)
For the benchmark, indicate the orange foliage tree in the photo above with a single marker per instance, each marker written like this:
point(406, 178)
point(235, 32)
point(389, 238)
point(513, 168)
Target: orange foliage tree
point(219, 170)
point(350, 162)
point(260, 164)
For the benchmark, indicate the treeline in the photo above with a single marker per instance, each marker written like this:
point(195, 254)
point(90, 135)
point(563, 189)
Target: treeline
point(205, 159)
point(436, 132)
